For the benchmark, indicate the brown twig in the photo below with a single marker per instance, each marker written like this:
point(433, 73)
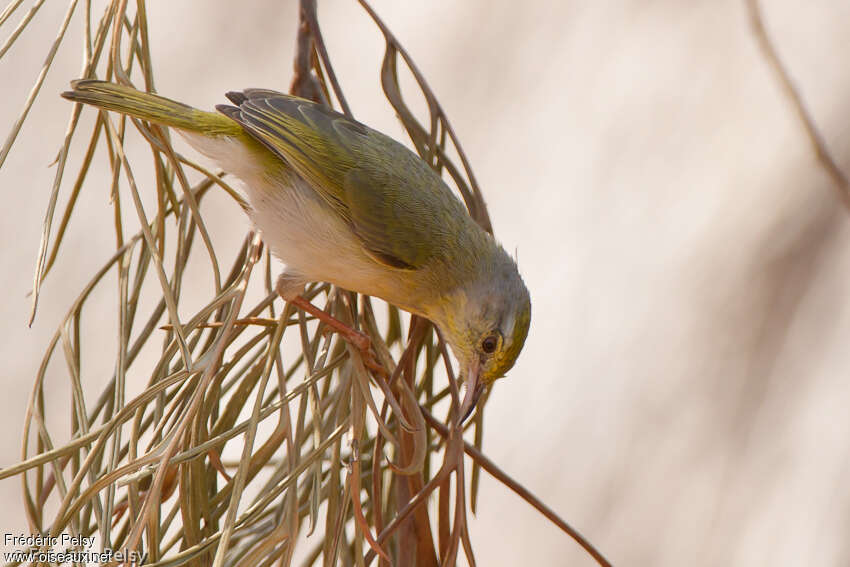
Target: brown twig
point(308, 8)
point(261, 321)
point(523, 492)
point(822, 153)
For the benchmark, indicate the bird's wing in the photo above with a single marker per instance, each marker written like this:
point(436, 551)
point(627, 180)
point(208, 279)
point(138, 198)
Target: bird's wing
point(301, 133)
point(396, 205)
point(397, 229)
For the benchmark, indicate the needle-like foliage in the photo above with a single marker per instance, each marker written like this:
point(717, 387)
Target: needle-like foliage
point(325, 446)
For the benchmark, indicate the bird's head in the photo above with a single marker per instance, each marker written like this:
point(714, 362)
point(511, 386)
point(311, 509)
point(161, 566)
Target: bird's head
point(485, 320)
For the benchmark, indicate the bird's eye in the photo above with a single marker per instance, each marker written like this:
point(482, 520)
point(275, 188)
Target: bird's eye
point(490, 343)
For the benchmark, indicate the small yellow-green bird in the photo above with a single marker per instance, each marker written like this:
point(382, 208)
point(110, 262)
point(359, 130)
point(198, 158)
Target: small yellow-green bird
point(339, 202)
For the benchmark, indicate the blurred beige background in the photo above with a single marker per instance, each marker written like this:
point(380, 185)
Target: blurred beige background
point(687, 257)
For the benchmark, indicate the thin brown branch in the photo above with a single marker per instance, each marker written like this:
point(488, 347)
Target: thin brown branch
point(308, 8)
point(260, 321)
point(824, 157)
point(519, 489)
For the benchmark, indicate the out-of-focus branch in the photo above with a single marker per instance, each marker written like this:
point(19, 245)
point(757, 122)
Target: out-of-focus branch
point(814, 135)
point(519, 489)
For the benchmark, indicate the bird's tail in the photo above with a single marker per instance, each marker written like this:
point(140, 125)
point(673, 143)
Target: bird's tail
point(151, 107)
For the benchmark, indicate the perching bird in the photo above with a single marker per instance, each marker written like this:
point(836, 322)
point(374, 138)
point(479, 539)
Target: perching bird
point(339, 202)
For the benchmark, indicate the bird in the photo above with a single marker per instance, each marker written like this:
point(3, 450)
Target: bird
point(337, 201)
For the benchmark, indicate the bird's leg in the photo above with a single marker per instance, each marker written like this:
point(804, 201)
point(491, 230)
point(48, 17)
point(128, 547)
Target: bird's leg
point(355, 338)
point(289, 287)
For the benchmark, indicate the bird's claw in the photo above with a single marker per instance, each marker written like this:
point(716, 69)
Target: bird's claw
point(363, 343)
point(355, 338)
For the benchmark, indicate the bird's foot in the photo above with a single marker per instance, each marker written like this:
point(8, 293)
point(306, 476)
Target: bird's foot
point(355, 338)
point(363, 343)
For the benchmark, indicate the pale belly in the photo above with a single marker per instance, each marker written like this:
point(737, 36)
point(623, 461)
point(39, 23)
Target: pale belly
point(299, 227)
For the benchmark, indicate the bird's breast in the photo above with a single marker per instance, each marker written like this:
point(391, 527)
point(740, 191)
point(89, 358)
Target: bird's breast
point(306, 233)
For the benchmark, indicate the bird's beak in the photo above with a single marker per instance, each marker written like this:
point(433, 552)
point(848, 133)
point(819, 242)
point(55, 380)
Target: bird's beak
point(474, 388)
